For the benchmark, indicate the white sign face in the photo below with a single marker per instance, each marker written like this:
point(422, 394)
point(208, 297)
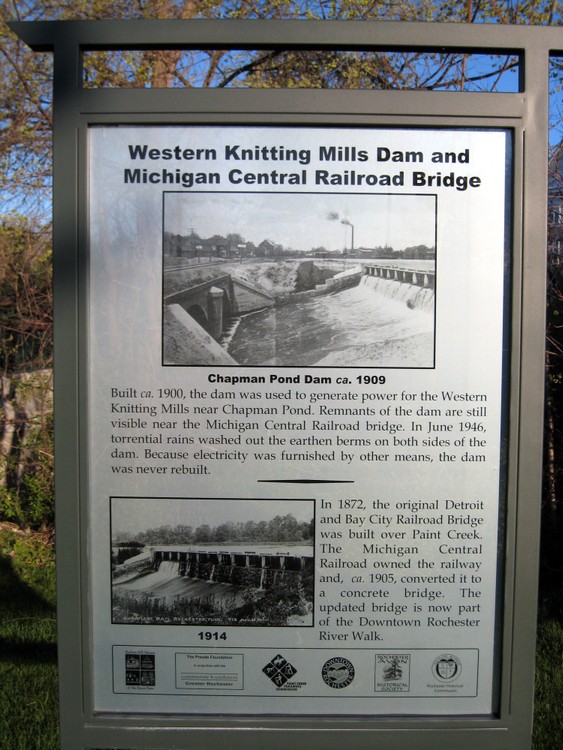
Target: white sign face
point(295, 411)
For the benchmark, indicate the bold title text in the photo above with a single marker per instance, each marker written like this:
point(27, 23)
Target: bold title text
point(293, 167)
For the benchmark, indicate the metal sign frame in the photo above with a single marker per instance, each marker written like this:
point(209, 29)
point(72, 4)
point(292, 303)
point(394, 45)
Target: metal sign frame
point(524, 113)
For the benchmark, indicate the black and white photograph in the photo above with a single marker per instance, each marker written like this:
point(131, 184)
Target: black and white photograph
point(220, 562)
point(299, 279)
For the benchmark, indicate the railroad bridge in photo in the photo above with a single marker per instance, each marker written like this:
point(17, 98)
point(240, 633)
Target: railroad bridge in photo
point(425, 278)
point(298, 558)
point(210, 303)
point(263, 566)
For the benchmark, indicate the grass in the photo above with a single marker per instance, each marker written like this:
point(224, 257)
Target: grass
point(548, 706)
point(28, 672)
point(548, 718)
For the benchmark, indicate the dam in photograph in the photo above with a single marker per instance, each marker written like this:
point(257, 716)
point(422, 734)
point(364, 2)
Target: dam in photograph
point(377, 314)
point(380, 321)
point(166, 583)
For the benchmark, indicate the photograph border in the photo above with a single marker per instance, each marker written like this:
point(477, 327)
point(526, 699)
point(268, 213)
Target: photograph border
point(311, 603)
point(350, 194)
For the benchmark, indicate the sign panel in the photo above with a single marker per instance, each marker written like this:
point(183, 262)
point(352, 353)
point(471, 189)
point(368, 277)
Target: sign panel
point(295, 414)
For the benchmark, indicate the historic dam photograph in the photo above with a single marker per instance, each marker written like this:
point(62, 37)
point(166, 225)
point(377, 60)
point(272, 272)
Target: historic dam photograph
point(178, 561)
point(292, 279)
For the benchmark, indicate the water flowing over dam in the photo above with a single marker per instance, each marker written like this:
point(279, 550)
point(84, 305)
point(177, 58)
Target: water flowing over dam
point(414, 297)
point(380, 322)
point(185, 586)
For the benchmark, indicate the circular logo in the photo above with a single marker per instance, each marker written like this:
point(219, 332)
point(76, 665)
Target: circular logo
point(446, 667)
point(338, 672)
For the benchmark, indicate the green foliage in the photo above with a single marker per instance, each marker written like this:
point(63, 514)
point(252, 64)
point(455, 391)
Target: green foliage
point(26, 461)
point(25, 295)
point(30, 500)
point(32, 560)
point(26, 451)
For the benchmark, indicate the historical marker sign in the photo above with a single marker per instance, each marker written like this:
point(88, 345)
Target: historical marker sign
point(301, 349)
point(321, 474)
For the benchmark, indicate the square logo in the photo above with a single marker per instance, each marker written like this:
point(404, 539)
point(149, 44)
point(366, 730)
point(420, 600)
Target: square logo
point(279, 670)
point(140, 670)
point(392, 673)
